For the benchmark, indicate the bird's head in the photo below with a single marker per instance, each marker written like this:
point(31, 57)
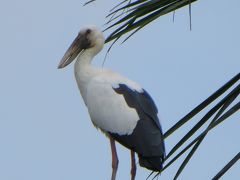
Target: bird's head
point(89, 39)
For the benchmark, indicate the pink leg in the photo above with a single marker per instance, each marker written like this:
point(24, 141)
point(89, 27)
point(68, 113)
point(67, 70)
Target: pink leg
point(114, 159)
point(133, 166)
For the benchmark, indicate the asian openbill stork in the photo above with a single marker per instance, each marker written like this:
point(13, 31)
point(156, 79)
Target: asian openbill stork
point(119, 107)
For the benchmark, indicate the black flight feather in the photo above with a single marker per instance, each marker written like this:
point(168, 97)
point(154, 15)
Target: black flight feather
point(147, 137)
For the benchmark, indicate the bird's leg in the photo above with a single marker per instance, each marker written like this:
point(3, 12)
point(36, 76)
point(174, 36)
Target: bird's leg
point(133, 166)
point(114, 159)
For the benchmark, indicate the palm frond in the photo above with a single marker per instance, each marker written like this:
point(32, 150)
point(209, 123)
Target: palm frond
point(216, 115)
point(88, 2)
point(203, 105)
point(140, 13)
point(227, 167)
point(203, 135)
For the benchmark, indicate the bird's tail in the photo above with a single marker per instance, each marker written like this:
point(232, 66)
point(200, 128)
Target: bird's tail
point(153, 163)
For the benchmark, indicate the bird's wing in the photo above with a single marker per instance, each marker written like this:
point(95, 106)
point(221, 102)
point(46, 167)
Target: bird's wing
point(127, 113)
point(108, 110)
point(141, 101)
point(147, 137)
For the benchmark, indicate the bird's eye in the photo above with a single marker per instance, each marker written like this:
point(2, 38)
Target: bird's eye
point(88, 31)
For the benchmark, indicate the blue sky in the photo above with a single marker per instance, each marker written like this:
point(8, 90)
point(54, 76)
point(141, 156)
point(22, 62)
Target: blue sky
point(45, 130)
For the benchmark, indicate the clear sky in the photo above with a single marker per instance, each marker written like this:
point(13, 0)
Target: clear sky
point(45, 130)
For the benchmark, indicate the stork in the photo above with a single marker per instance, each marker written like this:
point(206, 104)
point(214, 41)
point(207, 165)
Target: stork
point(117, 106)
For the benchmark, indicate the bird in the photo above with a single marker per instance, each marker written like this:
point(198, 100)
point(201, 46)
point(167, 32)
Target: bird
point(118, 106)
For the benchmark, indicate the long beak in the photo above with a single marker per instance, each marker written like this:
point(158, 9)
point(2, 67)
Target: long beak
point(77, 46)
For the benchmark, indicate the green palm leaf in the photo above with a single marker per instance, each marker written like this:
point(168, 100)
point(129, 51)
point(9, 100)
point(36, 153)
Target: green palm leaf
point(220, 117)
point(227, 167)
point(140, 13)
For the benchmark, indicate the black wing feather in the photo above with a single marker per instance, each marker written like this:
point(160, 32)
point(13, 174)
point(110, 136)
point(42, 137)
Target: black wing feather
point(147, 137)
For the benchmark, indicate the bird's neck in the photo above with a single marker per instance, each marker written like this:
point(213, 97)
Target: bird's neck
point(84, 71)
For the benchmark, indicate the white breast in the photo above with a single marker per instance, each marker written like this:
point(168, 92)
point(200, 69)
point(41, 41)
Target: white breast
point(109, 110)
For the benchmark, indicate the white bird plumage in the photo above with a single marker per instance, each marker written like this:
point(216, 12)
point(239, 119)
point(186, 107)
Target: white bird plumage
point(96, 87)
